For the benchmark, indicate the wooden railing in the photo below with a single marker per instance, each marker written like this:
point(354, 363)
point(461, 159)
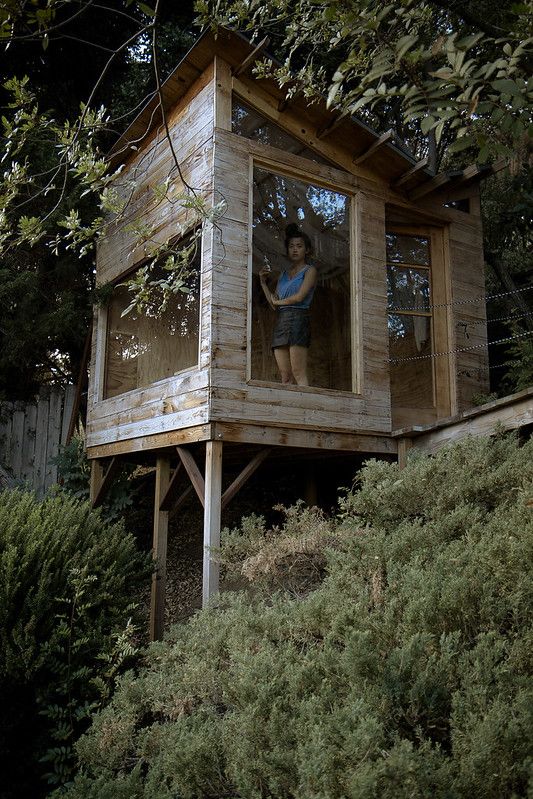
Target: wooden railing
point(31, 435)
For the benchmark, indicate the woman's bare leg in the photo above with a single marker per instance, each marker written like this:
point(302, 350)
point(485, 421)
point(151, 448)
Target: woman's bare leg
point(283, 360)
point(298, 362)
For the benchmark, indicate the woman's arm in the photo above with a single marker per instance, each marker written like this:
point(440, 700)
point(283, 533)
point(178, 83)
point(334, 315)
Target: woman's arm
point(264, 285)
point(308, 283)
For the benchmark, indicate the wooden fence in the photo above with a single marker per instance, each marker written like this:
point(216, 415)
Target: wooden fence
point(31, 434)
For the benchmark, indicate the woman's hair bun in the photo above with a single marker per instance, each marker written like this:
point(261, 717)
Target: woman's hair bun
point(292, 230)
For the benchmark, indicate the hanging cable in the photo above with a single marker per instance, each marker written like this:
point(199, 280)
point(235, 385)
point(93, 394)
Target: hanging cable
point(474, 301)
point(460, 349)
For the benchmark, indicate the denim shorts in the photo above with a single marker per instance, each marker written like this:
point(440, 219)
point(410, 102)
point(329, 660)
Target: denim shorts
point(292, 328)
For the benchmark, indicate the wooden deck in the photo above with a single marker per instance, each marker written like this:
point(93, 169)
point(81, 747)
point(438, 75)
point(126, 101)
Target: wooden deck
point(508, 413)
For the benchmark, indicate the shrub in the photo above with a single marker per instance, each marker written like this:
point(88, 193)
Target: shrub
point(66, 589)
point(405, 674)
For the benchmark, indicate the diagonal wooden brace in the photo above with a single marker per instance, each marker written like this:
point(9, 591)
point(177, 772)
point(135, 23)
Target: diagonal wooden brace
point(194, 473)
point(244, 476)
point(166, 502)
point(101, 480)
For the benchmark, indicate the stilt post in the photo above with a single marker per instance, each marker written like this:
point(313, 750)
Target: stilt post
point(404, 445)
point(212, 512)
point(157, 603)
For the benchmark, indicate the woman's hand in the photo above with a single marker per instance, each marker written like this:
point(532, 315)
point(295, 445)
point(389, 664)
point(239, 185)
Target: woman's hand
point(264, 273)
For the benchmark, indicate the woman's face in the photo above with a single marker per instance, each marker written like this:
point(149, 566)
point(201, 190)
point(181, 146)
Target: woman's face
point(296, 249)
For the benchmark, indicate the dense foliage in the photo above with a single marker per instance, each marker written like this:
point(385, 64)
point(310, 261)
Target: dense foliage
point(457, 70)
point(401, 669)
point(64, 62)
point(67, 584)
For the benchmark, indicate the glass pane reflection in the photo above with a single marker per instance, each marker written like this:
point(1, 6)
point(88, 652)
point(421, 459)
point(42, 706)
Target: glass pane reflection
point(324, 215)
point(406, 249)
point(408, 289)
point(249, 123)
point(411, 380)
point(143, 348)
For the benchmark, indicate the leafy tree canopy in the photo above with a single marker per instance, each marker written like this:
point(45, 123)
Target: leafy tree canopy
point(458, 70)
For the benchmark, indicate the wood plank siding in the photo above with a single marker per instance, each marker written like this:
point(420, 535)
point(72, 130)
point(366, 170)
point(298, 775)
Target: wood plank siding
point(218, 397)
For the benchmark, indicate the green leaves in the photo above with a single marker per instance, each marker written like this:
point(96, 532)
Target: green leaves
point(405, 64)
point(389, 657)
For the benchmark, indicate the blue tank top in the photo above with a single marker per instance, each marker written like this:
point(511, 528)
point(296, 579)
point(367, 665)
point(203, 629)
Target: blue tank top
point(288, 286)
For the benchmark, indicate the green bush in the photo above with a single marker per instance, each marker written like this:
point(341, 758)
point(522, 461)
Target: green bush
point(404, 674)
point(67, 585)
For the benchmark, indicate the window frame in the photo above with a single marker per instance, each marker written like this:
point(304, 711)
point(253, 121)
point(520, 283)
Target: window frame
point(440, 323)
point(102, 329)
point(341, 187)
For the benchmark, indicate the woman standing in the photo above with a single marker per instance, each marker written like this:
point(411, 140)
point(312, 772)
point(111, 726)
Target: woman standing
point(291, 301)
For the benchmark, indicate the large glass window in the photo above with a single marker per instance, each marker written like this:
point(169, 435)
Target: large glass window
point(249, 123)
point(410, 320)
point(143, 348)
point(324, 216)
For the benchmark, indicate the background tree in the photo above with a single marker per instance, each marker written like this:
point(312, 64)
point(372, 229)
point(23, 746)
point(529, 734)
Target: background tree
point(71, 53)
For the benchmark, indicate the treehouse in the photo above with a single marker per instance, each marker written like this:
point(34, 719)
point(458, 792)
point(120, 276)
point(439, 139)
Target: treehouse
point(397, 319)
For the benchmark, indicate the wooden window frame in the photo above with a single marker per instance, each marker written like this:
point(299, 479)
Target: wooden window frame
point(102, 329)
point(312, 178)
point(441, 322)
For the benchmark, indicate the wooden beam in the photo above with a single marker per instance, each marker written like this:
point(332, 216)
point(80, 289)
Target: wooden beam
point(325, 130)
point(194, 473)
point(97, 474)
point(404, 445)
point(254, 55)
point(244, 476)
point(159, 550)
point(406, 176)
point(212, 512)
point(104, 479)
point(386, 137)
point(430, 186)
point(166, 502)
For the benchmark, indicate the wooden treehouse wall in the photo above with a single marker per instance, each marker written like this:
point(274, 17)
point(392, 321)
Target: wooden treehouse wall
point(179, 401)
point(219, 164)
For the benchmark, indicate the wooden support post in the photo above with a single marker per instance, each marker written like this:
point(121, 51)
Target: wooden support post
point(404, 445)
point(212, 511)
point(157, 602)
point(97, 474)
